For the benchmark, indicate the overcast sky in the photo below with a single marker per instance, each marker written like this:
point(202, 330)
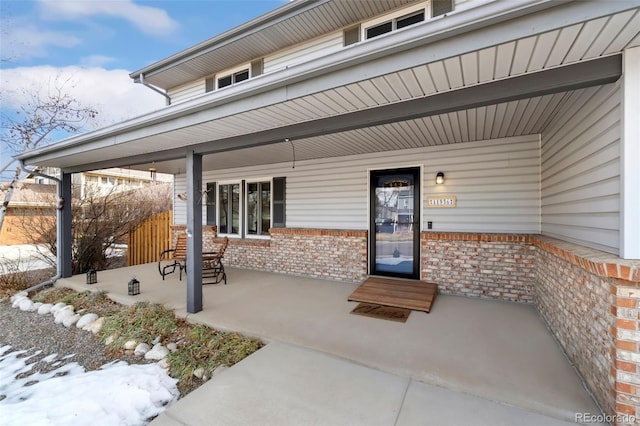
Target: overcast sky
point(95, 44)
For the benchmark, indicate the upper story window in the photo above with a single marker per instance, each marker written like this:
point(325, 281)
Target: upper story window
point(395, 24)
point(233, 76)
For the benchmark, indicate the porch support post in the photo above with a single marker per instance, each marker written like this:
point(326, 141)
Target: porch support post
point(194, 232)
point(64, 242)
point(630, 153)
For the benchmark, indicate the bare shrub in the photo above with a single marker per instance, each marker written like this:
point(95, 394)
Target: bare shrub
point(12, 278)
point(100, 222)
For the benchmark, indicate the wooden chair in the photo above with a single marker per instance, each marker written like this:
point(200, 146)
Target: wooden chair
point(212, 266)
point(174, 258)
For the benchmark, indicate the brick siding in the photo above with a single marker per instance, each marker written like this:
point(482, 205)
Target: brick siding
point(490, 266)
point(589, 299)
point(339, 255)
point(577, 307)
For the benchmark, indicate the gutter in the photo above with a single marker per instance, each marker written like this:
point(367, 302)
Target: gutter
point(58, 274)
point(140, 80)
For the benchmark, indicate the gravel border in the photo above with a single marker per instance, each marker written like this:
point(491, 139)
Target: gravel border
point(39, 336)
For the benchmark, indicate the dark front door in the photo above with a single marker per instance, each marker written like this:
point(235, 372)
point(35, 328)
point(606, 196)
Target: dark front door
point(395, 223)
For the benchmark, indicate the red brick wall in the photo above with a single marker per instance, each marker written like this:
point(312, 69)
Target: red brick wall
point(493, 266)
point(591, 301)
point(331, 254)
point(577, 307)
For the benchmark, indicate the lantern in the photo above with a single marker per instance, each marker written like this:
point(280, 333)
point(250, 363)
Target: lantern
point(134, 287)
point(92, 276)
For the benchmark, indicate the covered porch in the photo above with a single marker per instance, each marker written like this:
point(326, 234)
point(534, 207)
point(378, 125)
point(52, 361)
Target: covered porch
point(528, 107)
point(497, 351)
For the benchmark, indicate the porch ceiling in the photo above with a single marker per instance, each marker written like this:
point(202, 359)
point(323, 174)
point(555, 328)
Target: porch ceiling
point(516, 118)
point(227, 129)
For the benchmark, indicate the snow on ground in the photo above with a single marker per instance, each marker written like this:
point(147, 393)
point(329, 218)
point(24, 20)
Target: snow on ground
point(116, 394)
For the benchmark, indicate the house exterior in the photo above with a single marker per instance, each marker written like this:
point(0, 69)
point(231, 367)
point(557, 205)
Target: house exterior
point(490, 147)
point(36, 200)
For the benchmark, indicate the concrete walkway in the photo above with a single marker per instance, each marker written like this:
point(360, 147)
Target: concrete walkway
point(466, 350)
point(288, 385)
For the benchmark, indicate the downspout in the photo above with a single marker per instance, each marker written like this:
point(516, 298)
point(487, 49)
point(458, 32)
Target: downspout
point(154, 88)
point(55, 278)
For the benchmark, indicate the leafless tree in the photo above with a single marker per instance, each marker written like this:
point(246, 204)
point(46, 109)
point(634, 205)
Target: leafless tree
point(100, 223)
point(39, 119)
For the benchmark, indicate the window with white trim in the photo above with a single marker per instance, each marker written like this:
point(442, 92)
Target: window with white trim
point(258, 208)
point(395, 24)
point(396, 20)
point(235, 75)
point(248, 208)
point(234, 78)
point(229, 208)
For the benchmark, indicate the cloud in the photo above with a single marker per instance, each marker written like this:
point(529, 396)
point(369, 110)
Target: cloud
point(111, 92)
point(96, 61)
point(23, 40)
point(149, 20)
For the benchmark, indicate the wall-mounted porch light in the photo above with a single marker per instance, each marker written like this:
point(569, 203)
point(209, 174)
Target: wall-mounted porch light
point(440, 178)
point(153, 171)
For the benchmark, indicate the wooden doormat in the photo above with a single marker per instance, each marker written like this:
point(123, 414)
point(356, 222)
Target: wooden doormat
point(408, 294)
point(382, 312)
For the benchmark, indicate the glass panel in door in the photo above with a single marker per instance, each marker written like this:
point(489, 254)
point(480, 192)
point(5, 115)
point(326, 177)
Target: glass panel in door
point(395, 225)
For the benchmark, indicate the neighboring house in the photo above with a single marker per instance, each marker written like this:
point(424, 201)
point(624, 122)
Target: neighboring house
point(112, 180)
point(295, 133)
point(36, 200)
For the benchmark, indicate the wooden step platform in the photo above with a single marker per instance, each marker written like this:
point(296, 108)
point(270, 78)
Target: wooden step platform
point(409, 294)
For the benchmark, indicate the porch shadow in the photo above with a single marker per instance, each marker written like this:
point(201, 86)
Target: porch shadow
point(499, 351)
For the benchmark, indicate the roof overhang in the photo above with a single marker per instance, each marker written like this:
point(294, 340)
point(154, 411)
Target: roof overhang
point(291, 23)
point(267, 109)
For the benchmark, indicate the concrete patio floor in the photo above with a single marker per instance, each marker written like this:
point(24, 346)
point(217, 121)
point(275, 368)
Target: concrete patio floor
point(496, 351)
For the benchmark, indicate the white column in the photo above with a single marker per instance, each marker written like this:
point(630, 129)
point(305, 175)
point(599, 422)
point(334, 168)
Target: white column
point(630, 153)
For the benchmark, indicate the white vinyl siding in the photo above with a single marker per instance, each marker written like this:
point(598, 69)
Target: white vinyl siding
point(304, 52)
point(496, 183)
point(581, 170)
point(187, 91)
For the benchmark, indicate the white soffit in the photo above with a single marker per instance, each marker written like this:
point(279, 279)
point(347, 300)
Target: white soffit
point(317, 21)
point(573, 44)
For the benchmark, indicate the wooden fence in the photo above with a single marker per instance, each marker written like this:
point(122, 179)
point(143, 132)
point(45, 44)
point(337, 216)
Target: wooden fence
point(147, 241)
